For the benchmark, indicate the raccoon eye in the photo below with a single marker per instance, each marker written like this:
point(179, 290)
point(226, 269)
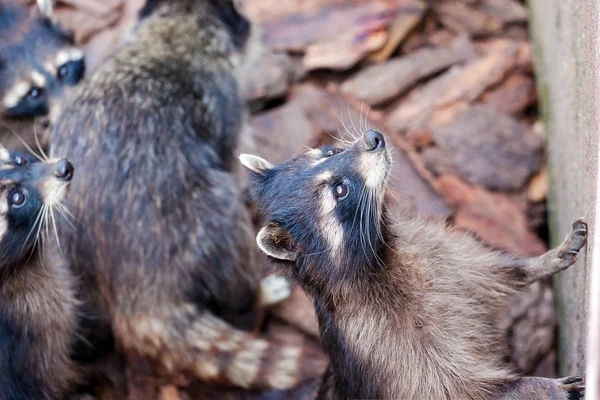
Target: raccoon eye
point(63, 71)
point(71, 72)
point(341, 191)
point(35, 92)
point(17, 199)
point(20, 160)
point(332, 152)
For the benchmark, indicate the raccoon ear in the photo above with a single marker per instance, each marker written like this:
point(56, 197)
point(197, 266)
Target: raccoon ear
point(255, 163)
point(46, 8)
point(276, 242)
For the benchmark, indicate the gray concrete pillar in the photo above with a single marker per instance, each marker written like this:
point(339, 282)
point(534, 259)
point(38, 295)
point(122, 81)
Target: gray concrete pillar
point(566, 38)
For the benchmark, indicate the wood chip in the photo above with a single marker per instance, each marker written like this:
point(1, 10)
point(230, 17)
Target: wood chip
point(494, 217)
point(489, 148)
point(514, 95)
point(299, 312)
point(380, 83)
point(295, 24)
point(440, 37)
point(465, 83)
point(169, 392)
point(408, 17)
point(538, 187)
point(345, 50)
point(282, 133)
point(507, 11)
point(268, 76)
point(87, 17)
point(98, 9)
point(460, 17)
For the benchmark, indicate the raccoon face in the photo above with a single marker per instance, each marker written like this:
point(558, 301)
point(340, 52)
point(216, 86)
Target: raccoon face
point(37, 61)
point(324, 207)
point(29, 191)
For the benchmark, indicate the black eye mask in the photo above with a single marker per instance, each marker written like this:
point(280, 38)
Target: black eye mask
point(70, 73)
point(33, 104)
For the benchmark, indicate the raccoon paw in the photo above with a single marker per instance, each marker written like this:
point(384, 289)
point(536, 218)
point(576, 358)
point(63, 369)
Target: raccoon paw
point(573, 243)
point(274, 289)
point(573, 386)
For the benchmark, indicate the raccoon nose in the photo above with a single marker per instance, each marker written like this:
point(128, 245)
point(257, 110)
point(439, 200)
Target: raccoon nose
point(374, 140)
point(64, 170)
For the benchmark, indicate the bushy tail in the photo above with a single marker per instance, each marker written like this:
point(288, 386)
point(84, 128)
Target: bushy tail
point(185, 339)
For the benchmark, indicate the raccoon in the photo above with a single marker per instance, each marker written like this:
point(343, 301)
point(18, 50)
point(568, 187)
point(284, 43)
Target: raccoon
point(163, 240)
point(37, 299)
point(38, 60)
point(405, 305)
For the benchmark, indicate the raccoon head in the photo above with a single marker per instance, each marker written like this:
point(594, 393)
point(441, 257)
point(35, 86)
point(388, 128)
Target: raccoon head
point(38, 60)
point(223, 12)
point(324, 209)
point(29, 192)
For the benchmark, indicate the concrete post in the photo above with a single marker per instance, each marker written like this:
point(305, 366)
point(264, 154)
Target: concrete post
point(566, 37)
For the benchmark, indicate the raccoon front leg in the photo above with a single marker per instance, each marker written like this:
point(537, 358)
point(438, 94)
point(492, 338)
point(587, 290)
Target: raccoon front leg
point(569, 388)
point(524, 272)
point(185, 339)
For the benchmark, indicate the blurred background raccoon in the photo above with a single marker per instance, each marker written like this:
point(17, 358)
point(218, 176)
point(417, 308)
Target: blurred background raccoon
point(163, 240)
point(37, 297)
point(38, 60)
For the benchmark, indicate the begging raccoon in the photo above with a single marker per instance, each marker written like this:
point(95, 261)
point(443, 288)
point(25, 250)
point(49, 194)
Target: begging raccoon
point(163, 238)
point(37, 300)
point(38, 60)
point(405, 305)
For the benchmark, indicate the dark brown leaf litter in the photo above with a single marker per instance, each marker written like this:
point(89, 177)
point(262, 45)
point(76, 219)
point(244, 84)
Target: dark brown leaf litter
point(335, 34)
point(270, 75)
point(514, 95)
point(380, 83)
point(464, 83)
point(483, 18)
point(495, 217)
point(487, 148)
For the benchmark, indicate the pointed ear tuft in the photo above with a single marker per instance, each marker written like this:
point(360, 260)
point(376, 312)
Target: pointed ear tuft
point(276, 242)
point(255, 163)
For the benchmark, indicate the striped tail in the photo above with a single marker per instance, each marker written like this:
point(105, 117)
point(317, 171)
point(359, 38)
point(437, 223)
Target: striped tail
point(186, 339)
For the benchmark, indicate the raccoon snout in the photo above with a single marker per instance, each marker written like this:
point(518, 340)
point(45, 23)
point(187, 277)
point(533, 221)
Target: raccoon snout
point(374, 140)
point(64, 170)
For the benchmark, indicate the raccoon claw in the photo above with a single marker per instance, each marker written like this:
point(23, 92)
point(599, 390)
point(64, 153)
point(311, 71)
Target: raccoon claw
point(571, 379)
point(574, 386)
point(574, 242)
point(274, 289)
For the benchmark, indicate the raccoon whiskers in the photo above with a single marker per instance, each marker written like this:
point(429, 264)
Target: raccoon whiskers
point(66, 214)
point(85, 155)
point(364, 122)
point(372, 216)
point(353, 134)
point(37, 221)
point(39, 230)
point(361, 231)
point(355, 129)
point(55, 230)
point(15, 134)
point(37, 142)
point(357, 208)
